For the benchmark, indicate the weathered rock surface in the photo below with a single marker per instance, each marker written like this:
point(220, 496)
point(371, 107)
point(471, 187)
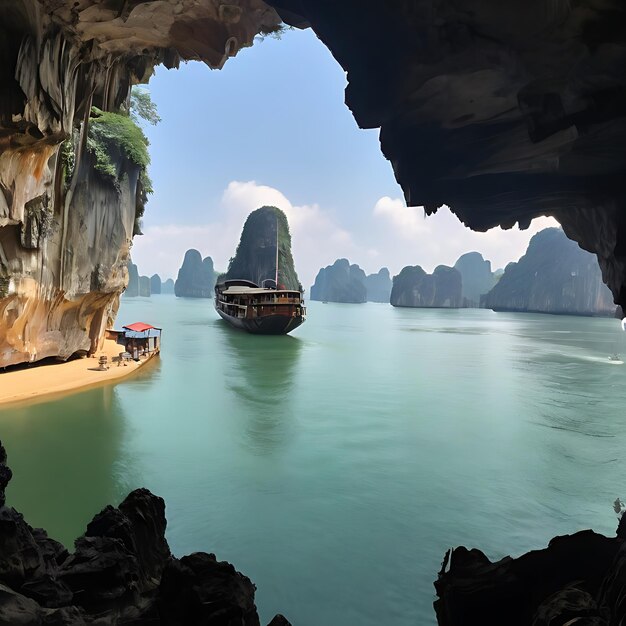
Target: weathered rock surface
point(167, 287)
point(121, 572)
point(378, 286)
point(196, 276)
point(477, 277)
point(155, 284)
point(413, 287)
point(65, 231)
point(255, 258)
point(345, 282)
point(502, 111)
point(554, 276)
point(577, 579)
point(340, 282)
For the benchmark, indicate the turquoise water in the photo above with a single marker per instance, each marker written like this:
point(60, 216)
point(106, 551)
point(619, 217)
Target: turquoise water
point(335, 466)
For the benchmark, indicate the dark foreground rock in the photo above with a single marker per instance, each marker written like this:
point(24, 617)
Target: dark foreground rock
point(121, 572)
point(578, 579)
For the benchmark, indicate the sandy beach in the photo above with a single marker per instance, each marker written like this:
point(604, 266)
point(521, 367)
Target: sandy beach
point(44, 380)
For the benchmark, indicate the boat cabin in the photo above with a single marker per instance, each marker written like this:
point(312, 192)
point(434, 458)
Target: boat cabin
point(138, 339)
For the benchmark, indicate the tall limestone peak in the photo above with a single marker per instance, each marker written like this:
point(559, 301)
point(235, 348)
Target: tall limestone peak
point(196, 277)
point(478, 279)
point(553, 276)
point(255, 258)
point(413, 287)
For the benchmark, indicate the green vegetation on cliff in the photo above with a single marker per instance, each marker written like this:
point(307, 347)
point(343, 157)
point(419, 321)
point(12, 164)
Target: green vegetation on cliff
point(255, 258)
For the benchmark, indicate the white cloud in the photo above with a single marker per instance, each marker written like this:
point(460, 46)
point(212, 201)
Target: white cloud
point(390, 235)
point(317, 239)
point(408, 222)
point(441, 238)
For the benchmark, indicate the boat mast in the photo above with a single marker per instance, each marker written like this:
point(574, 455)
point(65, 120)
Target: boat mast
point(276, 280)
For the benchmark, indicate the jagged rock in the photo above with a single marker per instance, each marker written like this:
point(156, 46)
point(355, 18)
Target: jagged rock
point(144, 286)
point(167, 287)
point(196, 277)
point(413, 287)
point(501, 111)
point(121, 571)
point(132, 289)
point(155, 284)
point(554, 276)
point(472, 590)
point(200, 590)
point(5, 474)
point(477, 277)
point(378, 286)
point(255, 258)
point(340, 282)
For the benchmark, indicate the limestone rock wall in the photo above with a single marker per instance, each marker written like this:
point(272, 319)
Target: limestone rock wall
point(478, 279)
point(65, 233)
point(196, 277)
point(378, 286)
point(413, 287)
point(340, 282)
point(155, 284)
point(554, 276)
point(255, 258)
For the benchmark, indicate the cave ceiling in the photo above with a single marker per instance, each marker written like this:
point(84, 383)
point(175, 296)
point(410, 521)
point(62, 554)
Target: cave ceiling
point(501, 110)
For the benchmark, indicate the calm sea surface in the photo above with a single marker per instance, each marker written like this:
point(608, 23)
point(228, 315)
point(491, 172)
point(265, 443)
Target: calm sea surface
point(334, 467)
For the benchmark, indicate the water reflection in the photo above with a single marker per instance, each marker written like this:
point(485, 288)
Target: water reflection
point(67, 458)
point(260, 371)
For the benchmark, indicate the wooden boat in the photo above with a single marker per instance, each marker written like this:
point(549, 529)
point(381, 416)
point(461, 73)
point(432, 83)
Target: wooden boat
point(259, 310)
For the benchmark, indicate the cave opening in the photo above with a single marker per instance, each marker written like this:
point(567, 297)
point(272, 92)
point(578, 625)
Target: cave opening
point(273, 128)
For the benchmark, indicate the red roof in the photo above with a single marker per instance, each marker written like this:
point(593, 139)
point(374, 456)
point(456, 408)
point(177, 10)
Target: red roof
point(139, 327)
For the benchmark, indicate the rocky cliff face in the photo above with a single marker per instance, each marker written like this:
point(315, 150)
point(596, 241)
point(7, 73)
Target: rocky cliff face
point(67, 219)
point(554, 276)
point(121, 571)
point(413, 287)
point(517, 112)
point(167, 287)
point(255, 258)
point(378, 286)
point(502, 111)
point(477, 277)
point(196, 277)
point(340, 282)
point(577, 579)
point(155, 284)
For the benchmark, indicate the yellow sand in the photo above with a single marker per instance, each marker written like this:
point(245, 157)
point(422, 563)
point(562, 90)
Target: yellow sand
point(43, 380)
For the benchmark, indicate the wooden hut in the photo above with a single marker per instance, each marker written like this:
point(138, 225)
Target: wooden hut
point(138, 339)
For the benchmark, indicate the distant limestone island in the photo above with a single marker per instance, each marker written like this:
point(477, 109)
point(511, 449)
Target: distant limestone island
point(554, 276)
point(255, 258)
point(342, 282)
point(196, 277)
point(145, 286)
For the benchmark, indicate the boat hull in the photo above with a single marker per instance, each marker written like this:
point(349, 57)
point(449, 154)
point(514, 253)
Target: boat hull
point(265, 325)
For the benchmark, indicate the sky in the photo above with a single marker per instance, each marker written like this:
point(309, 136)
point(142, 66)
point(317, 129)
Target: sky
point(272, 128)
